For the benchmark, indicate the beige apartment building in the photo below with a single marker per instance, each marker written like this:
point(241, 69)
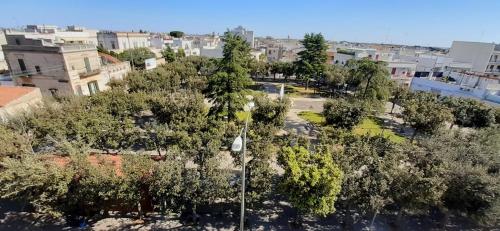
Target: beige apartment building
point(60, 68)
point(120, 41)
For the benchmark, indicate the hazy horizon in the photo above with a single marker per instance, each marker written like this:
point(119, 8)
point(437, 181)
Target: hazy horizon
point(428, 23)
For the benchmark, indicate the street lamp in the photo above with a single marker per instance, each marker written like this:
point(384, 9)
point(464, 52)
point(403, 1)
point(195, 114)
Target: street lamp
point(240, 144)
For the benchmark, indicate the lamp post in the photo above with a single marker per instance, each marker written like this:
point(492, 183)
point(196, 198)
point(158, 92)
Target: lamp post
point(239, 144)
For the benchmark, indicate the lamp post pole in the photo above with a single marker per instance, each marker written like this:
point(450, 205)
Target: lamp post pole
point(240, 145)
point(242, 212)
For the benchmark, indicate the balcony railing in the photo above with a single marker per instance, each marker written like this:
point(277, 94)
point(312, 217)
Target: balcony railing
point(87, 74)
point(77, 47)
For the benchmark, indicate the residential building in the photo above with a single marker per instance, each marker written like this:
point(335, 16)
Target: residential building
point(245, 34)
point(120, 41)
point(186, 45)
point(15, 100)
point(72, 34)
point(3, 63)
point(274, 53)
point(474, 86)
point(58, 68)
point(484, 57)
point(401, 72)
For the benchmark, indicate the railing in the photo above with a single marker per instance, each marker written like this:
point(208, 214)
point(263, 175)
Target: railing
point(77, 47)
point(87, 74)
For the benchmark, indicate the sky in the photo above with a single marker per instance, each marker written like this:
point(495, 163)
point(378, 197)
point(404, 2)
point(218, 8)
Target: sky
point(421, 22)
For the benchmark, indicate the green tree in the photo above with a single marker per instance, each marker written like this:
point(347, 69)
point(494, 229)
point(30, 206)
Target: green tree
point(136, 56)
point(312, 60)
point(41, 184)
point(398, 94)
point(181, 53)
point(371, 78)
point(168, 54)
point(311, 180)
point(176, 34)
point(226, 88)
point(13, 143)
point(269, 111)
point(335, 77)
point(369, 165)
point(470, 112)
point(343, 114)
point(425, 113)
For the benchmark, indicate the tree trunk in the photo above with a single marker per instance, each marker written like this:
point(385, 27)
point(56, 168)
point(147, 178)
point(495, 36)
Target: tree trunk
point(367, 85)
point(393, 104)
point(444, 219)
point(399, 218)
point(307, 84)
point(139, 210)
point(373, 220)
point(413, 136)
point(274, 77)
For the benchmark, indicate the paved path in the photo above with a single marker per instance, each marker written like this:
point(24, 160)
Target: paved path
point(293, 123)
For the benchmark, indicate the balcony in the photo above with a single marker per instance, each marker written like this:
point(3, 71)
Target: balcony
point(87, 74)
point(77, 47)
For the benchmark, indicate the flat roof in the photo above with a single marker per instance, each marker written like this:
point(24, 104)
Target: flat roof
point(11, 93)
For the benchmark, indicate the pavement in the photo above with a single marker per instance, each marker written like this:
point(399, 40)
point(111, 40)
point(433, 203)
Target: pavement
point(293, 123)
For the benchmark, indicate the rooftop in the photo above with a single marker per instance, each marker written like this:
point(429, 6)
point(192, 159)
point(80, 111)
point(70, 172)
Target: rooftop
point(10, 93)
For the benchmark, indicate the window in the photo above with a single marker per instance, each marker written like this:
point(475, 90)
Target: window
point(393, 71)
point(93, 87)
point(113, 45)
point(18, 42)
point(53, 92)
point(22, 65)
point(38, 70)
point(87, 64)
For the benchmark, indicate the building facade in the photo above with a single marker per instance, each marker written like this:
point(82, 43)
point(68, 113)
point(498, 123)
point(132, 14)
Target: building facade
point(484, 57)
point(120, 41)
point(245, 34)
point(57, 68)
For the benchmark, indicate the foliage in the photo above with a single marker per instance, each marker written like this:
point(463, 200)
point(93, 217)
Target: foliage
point(181, 53)
point(370, 79)
point(311, 63)
point(169, 54)
point(13, 143)
point(269, 111)
point(176, 34)
point(335, 77)
point(472, 171)
point(43, 185)
point(343, 114)
point(424, 113)
point(469, 112)
point(226, 88)
point(136, 56)
point(258, 68)
point(311, 180)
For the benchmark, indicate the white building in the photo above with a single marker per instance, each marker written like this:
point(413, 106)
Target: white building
point(485, 89)
point(484, 57)
point(3, 63)
point(72, 34)
point(120, 41)
point(186, 45)
point(246, 34)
